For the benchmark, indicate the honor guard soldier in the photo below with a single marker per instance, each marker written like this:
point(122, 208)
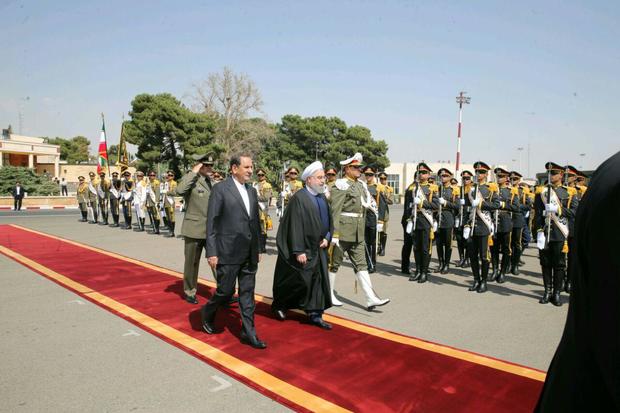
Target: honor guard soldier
point(555, 205)
point(139, 199)
point(461, 216)
point(103, 197)
point(580, 184)
point(520, 220)
point(127, 198)
point(335, 254)
point(331, 175)
point(448, 199)
point(170, 190)
point(373, 218)
point(264, 191)
point(195, 188)
point(387, 193)
point(508, 205)
point(349, 201)
point(420, 202)
point(570, 179)
point(483, 200)
point(152, 201)
point(289, 187)
point(93, 198)
point(82, 198)
point(115, 196)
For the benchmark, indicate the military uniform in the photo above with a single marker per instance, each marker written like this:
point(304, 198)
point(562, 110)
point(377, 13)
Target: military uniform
point(483, 200)
point(264, 190)
point(448, 199)
point(555, 205)
point(115, 195)
point(372, 218)
point(82, 198)
point(509, 204)
point(349, 200)
point(103, 197)
point(520, 220)
point(127, 198)
point(460, 217)
point(386, 196)
point(139, 201)
point(152, 204)
point(92, 204)
point(420, 202)
point(195, 190)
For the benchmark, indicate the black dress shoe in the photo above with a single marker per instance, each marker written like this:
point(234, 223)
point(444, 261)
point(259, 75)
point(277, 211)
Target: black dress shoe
point(279, 314)
point(319, 322)
point(405, 271)
point(253, 342)
point(208, 327)
point(191, 299)
point(233, 301)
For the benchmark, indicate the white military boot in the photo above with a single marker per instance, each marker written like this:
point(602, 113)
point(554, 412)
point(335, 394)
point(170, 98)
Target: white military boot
point(332, 281)
point(372, 300)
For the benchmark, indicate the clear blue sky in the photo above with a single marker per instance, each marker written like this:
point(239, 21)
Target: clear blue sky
point(543, 73)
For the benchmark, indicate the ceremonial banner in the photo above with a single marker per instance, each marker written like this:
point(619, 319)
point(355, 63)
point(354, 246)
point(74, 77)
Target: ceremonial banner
point(102, 164)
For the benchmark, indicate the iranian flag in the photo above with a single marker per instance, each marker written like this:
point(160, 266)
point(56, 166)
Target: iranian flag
point(102, 165)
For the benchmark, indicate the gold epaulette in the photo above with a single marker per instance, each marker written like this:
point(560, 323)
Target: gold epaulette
point(571, 191)
point(267, 185)
point(540, 189)
point(514, 191)
point(493, 187)
point(410, 187)
point(155, 182)
point(433, 188)
point(456, 191)
point(583, 189)
point(298, 184)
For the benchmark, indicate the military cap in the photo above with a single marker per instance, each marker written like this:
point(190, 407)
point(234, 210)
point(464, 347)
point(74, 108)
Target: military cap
point(259, 170)
point(292, 168)
point(571, 170)
point(552, 166)
point(515, 173)
point(114, 173)
point(501, 171)
point(126, 173)
point(454, 181)
point(91, 173)
point(446, 170)
point(382, 175)
point(206, 159)
point(466, 172)
point(423, 167)
point(331, 168)
point(81, 177)
point(355, 160)
point(369, 170)
point(481, 166)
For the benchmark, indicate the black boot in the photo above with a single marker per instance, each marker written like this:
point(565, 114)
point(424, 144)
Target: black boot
point(170, 233)
point(440, 265)
point(501, 278)
point(418, 267)
point(475, 269)
point(484, 270)
point(446, 260)
point(516, 257)
point(156, 228)
point(382, 242)
point(84, 216)
point(546, 273)
point(426, 261)
point(140, 225)
point(558, 279)
point(494, 268)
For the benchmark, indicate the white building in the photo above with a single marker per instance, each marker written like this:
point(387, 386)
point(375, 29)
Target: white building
point(27, 151)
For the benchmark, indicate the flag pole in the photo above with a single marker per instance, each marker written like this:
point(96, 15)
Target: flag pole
point(105, 137)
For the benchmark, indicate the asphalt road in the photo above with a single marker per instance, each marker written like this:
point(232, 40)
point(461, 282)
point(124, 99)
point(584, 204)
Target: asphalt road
point(61, 353)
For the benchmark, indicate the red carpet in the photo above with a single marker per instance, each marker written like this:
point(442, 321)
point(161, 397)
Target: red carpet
point(353, 367)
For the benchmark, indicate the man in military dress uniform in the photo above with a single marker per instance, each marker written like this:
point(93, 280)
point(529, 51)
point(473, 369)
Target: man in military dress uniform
point(372, 216)
point(152, 201)
point(580, 184)
point(520, 220)
point(387, 194)
point(555, 205)
point(115, 196)
point(264, 192)
point(92, 205)
point(420, 202)
point(103, 197)
point(335, 254)
point(508, 205)
point(170, 190)
point(139, 200)
point(349, 201)
point(127, 198)
point(82, 198)
point(448, 197)
point(483, 200)
point(195, 188)
point(461, 216)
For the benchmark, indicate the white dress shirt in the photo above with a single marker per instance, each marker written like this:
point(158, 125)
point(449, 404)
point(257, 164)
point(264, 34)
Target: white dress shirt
point(244, 194)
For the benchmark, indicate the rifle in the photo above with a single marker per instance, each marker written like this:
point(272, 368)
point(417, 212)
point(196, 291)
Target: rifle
point(473, 223)
point(500, 198)
point(441, 188)
point(548, 216)
point(415, 194)
point(461, 203)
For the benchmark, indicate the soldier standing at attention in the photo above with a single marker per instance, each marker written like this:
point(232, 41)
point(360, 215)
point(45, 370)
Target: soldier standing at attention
point(334, 253)
point(103, 197)
point(449, 206)
point(93, 184)
point(483, 201)
point(555, 205)
point(418, 220)
point(520, 219)
point(265, 192)
point(195, 188)
point(152, 201)
point(170, 190)
point(127, 198)
point(387, 194)
point(349, 201)
point(461, 217)
point(82, 198)
point(509, 204)
point(372, 216)
point(115, 195)
point(139, 199)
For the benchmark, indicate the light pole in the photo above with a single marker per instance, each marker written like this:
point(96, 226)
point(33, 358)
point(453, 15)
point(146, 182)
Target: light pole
point(460, 99)
point(520, 149)
point(582, 156)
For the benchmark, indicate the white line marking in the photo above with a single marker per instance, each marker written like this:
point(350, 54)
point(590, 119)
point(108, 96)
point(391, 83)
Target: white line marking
point(131, 333)
point(224, 384)
point(80, 302)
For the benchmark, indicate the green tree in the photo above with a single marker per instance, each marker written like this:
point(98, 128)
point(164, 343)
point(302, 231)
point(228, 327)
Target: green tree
point(165, 131)
point(32, 183)
point(74, 150)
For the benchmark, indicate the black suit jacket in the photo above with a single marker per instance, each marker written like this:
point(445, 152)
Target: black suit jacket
point(232, 234)
point(21, 192)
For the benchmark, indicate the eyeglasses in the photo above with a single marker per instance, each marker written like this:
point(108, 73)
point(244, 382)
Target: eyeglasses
point(445, 176)
point(330, 174)
point(260, 174)
point(355, 166)
point(514, 178)
point(170, 175)
point(467, 178)
point(424, 172)
point(481, 171)
point(555, 172)
point(369, 174)
point(151, 175)
point(293, 173)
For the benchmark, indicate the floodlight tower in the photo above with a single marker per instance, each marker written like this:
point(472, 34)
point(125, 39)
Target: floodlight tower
point(460, 99)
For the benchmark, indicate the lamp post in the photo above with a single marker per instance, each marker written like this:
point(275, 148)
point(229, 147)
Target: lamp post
point(460, 99)
point(582, 156)
point(520, 149)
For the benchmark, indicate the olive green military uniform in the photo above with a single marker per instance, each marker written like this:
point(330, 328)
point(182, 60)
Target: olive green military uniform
point(195, 190)
point(153, 192)
point(82, 199)
point(170, 188)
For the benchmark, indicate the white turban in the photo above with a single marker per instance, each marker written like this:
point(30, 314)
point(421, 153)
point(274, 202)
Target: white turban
point(311, 169)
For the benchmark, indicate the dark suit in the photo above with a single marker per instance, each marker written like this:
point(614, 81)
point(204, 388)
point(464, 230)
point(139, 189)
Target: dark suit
point(17, 204)
point(233, 237)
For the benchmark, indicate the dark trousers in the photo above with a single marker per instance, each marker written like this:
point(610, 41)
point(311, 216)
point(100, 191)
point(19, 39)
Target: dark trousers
point(103, 208)
point(405, 254)
point(114, 208)
point(17, 204)
point(516, 245)
point(479, 256)
point(370, 237)
point(461, 243)
point(527, 237)
point(553, 263)
point(63, 190)
point(443, 241)
point(422, 248)
point(193, 252)
point(227, 276)
point(501, 244)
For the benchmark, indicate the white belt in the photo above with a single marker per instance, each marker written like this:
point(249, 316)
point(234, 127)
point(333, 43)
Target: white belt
point(351, 214)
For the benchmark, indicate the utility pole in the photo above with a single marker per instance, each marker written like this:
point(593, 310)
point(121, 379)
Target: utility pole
point(460, 99)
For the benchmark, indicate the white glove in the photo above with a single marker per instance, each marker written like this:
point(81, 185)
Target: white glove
point(551, 208)
point(409, 227)
point(335, 241)
point(457, 222)
point(380, 227)
point(466, 232)
point(462, 201)
point(279, 212)
point(434, 226)
point(475, 203)
point(417, 201)
point(442, 201)
point(540, 240)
